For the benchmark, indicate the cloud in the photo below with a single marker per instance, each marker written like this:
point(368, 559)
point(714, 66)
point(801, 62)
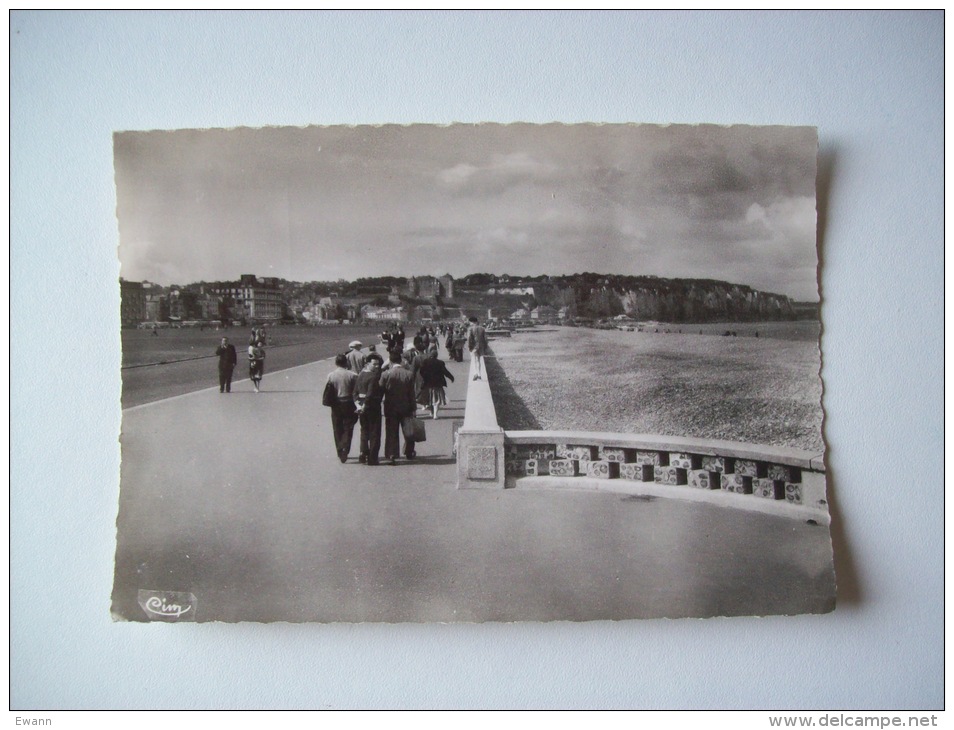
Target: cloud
point(715, 202)
point(501, 173)
point(770, 247)
point(457, 176)
point(789, 219)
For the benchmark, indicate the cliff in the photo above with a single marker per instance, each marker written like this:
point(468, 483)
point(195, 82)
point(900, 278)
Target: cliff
point(674, 300)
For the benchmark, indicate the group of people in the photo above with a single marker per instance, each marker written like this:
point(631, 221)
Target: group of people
point(228, 359)
point(456, 338)
point(412, 378)
point(366, 388)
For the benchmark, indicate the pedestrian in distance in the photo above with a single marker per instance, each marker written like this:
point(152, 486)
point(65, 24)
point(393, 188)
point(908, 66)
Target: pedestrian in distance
point(355, 356)
point(460, 339)
point(477, 344)
point(256, 365)
point(227, 361)
point(340, 383)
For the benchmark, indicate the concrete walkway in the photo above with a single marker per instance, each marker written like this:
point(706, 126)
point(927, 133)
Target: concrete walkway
point(240, 500)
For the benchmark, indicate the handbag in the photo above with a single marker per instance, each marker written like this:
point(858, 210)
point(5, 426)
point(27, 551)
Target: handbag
point(413, 429)
point(330, 395)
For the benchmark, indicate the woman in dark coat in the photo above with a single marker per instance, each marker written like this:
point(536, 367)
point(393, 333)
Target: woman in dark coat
point(434, 373)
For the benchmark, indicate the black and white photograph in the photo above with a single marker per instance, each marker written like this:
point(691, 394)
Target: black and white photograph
point(468, 373)
point(664, 426)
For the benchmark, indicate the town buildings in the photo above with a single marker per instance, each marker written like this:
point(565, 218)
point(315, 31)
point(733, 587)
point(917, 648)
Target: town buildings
point(429, 287)
point(383, 314)
point(132, 308)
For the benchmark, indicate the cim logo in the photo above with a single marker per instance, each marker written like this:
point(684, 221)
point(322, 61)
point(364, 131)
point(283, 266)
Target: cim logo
point(168, 605)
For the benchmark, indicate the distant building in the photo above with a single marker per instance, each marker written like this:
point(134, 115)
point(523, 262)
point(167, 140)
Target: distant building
point(157, 308)
point(331, 309)
point(447, 286)
point(184, 305)
point(209, 306)
point(428, 287)
point(523, 291)
point(251, 297)
point(262, 297)
point(422, 313)
point(383, 314)
point(327, 308)
point(544, 313)
point(132, 308)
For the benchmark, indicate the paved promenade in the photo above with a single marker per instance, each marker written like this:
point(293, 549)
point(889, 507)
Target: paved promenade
point(240, 500)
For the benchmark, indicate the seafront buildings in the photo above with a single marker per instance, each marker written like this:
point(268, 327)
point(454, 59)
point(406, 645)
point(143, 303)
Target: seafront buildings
point(578, 298)
point(263, 300)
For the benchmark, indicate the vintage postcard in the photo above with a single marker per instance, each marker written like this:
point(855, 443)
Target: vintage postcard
point(470, 373)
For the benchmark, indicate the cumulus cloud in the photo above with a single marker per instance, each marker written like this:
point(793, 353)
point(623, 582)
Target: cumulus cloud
point(500, 173)
point(789, 219)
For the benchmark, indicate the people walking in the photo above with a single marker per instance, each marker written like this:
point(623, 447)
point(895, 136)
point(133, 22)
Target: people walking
point(434, 373)
point(460, 339)
point(227, 360)
point(387, 340)
point(397, 384)
point(341, 381)
point(477, 344)
point(367, 400)
point(413, 359)
point(258, 337)
point(355, 357)
point(256, 365)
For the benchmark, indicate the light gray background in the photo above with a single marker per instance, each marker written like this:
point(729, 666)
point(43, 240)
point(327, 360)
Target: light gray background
point(871, 82)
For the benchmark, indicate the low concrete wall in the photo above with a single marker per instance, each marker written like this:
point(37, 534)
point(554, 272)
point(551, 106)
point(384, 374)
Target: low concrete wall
point(777, 480)
point(782, 481)
point(480, 441)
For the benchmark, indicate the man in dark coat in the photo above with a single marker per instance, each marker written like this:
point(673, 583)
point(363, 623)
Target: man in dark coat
point(227, 361)
point(367, 399)
point(397, 384)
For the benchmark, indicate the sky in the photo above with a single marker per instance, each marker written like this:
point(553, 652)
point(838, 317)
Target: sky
point(324, 203)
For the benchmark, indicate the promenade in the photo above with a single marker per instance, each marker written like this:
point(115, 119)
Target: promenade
point(240, 500)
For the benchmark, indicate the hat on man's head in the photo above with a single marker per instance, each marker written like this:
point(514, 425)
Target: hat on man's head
point(354, 343)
